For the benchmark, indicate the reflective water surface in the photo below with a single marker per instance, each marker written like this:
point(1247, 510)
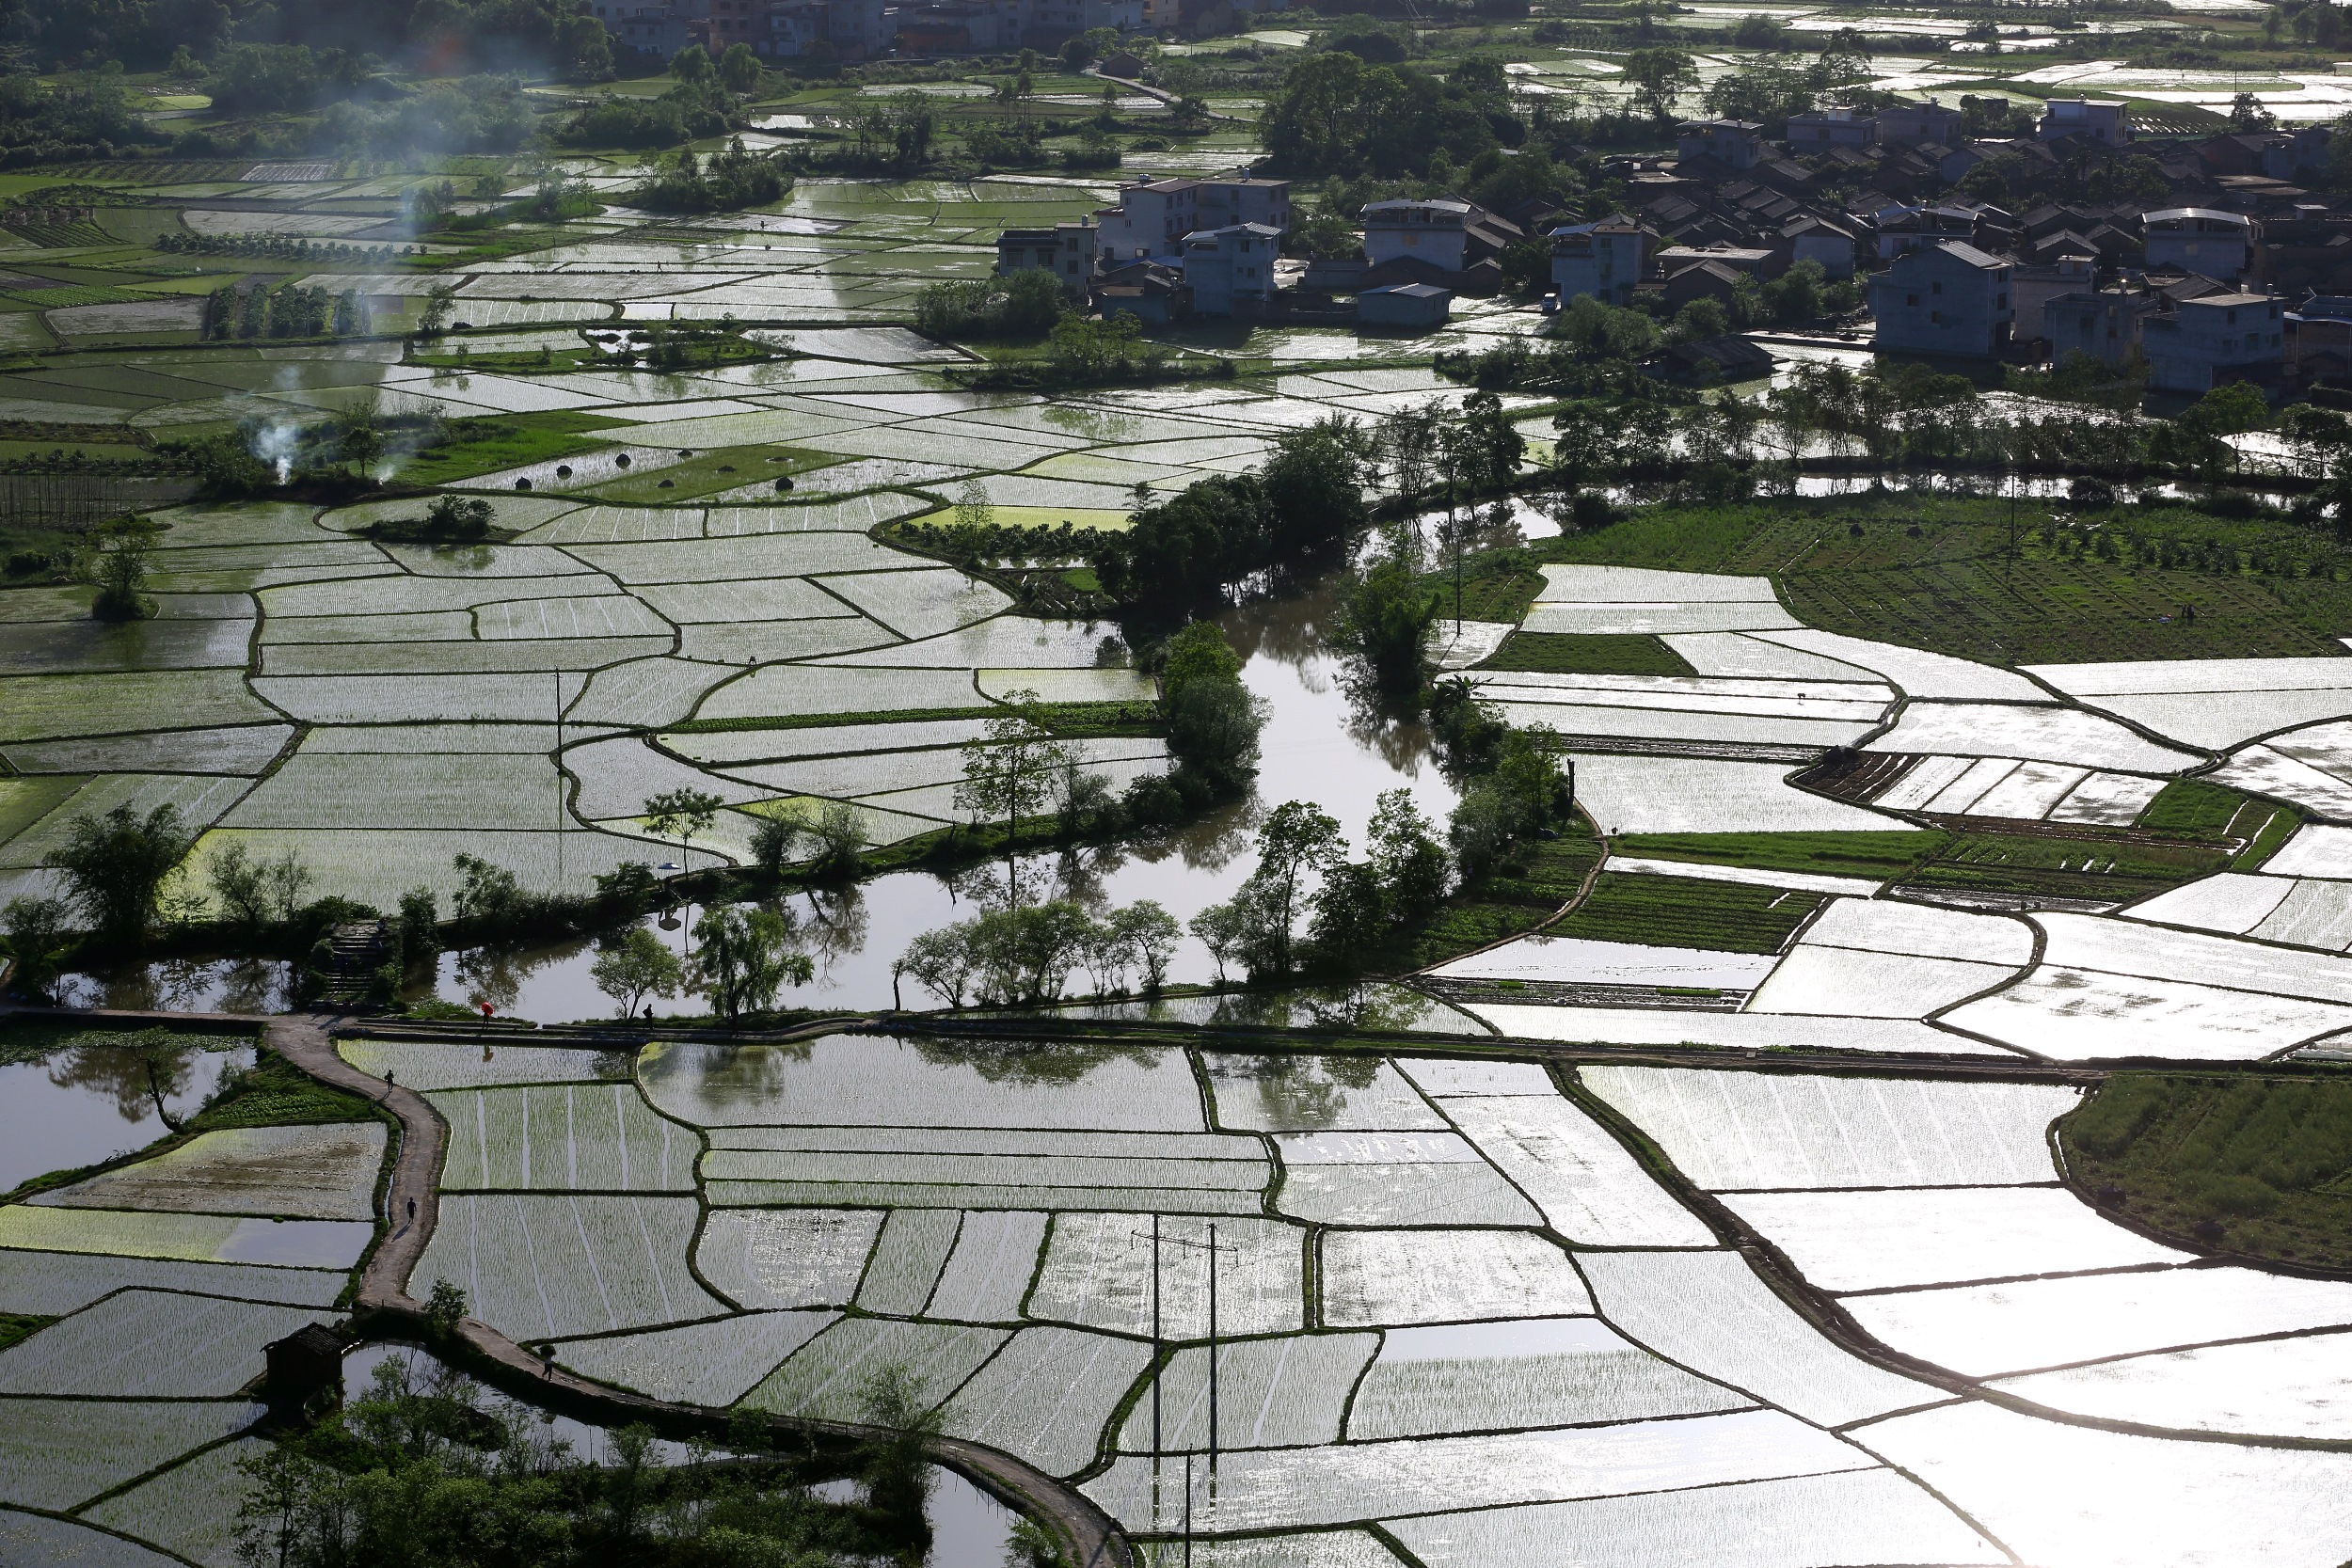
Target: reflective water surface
point(87, 1103)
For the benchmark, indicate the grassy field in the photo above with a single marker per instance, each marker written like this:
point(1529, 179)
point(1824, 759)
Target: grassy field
point(19, 1326)
point(1882, 856)
point(1686, 911)
point(2254, 1164)
point(1558, 653)
point(481, 446)
point(1936, 573)
point(274, 1093)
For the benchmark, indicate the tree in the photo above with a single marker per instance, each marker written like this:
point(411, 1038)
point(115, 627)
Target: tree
point(1009, 773)
point(440, 300)
point(1214, 720)
point(255, 894)
point(1406, 856)
point(38, 939)
point(112, 865)
point(906, 1421)
point(1659, 76)
point(1222, 928)
point(1025, 955)
point(840, 835)
point(635, 967)
point(774, 839)
point(116, 560)
point(744, 960)
point(693, 65)
point(1149, 935)
point(680, 814)
point(488, 897)
point(2246, 112)
point(1297, 839)
point(1384, 615)
point(941, 961)
point(740, 69)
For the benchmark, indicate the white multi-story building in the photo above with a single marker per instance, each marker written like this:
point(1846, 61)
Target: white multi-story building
point(2209, 342)
point(1604, 259)
point(1230, 266)
point(2201, 240)
point(1152, 217)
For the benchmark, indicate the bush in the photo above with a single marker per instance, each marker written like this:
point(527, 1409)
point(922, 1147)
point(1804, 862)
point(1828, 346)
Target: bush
point(728, 181)
point(1023, 304)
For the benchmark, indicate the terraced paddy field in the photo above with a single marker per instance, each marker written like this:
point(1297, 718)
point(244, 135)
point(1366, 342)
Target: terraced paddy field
point(1788, 1162)
point(1709, 1309)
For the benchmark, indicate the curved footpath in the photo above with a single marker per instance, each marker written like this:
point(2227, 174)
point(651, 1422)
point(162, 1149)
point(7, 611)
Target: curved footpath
point(306, 1040)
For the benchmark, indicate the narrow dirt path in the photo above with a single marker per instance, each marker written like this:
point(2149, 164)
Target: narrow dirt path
point(411, 1208)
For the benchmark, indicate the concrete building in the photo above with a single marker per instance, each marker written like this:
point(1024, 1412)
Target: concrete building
point(821, 29)
point(1808, 238)
point(2208, 343)
point(1950, 300)
point(1153, 216)
point(1907, 228)
point(1735, 144)
point(649, 29)
point(1230, 270)
point(1912, 124)
point(2034, 284)
point(2319, 340)
point(2108, 123)
point(1448, 242)
point(1604, 258)
point(1066, 250)
point(1419, 306)
point(2198, 240)
point(2103, 323)
point(1833, 125)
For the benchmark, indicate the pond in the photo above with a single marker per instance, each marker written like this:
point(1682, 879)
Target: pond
point(82, 1104)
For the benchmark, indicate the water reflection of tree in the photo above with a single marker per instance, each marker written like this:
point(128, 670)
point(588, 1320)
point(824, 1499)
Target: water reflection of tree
point(725, 1077)
point(1041, 1062)
point(139, 1072)
point(829, 924)
point(1381, 723)
point(1300, 1093)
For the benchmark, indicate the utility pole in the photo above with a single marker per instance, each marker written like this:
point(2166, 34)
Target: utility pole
point(558, 756)
point(1212, 1247)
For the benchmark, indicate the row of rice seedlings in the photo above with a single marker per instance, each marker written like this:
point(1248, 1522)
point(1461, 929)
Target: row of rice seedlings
point(148, 1344)
point(711, 1363)
point(59, 1454)
point(580, 1138)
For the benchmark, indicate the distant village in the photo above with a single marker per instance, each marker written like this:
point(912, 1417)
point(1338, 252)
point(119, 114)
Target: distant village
point(2232, 275)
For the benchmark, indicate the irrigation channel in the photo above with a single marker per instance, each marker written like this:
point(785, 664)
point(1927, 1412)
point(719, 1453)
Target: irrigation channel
point(1320, 744)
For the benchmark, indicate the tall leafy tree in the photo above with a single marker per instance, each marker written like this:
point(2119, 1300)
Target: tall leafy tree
point(114, 865)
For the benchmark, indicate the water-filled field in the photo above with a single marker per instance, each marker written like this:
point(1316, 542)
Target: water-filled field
point(1804, 1314)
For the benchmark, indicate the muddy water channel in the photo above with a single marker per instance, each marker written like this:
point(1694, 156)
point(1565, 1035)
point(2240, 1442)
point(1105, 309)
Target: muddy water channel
point(1320, 744)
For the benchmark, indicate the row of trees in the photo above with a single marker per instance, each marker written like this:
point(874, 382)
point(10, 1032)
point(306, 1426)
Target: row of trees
point(290, 311)
point(1908, 416)
point(1027, 953)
